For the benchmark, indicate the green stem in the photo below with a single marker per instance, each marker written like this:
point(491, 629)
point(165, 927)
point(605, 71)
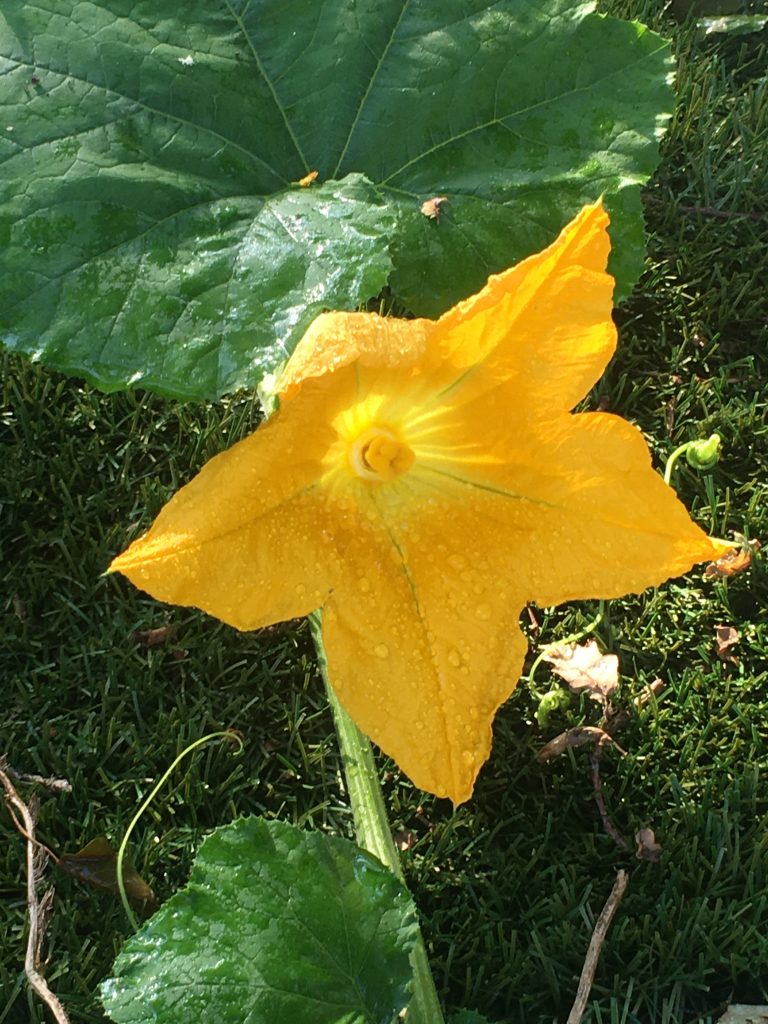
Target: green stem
point(372, 828)
point(672, 460)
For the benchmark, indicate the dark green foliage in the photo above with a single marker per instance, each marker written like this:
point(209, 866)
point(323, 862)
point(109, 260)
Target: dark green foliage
point(154, 232)
point(279, 925)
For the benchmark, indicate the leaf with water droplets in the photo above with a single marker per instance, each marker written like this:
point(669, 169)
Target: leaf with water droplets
point(184, 188)
point(276, 926)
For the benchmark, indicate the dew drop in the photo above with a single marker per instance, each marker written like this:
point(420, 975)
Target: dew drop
point(381, 651)
point(300, 590)
point(364, 584)
point(483, 611)
point(454, 658)
point(457, 562)
point(468, 756)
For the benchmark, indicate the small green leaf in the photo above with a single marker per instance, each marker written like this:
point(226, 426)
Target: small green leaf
point(153, 231)
point(276, 926)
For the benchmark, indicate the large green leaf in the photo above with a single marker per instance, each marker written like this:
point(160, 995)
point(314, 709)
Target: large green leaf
point(152, 230)
point(276, 926)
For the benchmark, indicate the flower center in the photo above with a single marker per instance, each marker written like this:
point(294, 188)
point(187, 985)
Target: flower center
point(378, 454)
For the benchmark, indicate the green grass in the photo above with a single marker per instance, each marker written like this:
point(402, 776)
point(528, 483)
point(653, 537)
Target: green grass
point(509, 885)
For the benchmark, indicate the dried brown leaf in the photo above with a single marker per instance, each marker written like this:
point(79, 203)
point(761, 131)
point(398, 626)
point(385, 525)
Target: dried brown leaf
point(96, 865)
point(431, 207)
point(404, 840)
point(734, 561)
point(585, 667)
point(153, 637)
point(742, 1013)
point(646, 847)
point(725, 638)
point(307, 180)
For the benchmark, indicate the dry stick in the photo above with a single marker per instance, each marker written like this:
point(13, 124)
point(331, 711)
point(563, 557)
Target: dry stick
point(37, 911)
point(614, 722)
point(597, 786)
point(708, 211)
point(54, 785)
point(596, 948)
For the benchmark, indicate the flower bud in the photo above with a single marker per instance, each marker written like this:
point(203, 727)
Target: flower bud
point(704, 454)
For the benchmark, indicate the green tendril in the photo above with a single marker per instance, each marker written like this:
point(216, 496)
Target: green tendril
point(226, 734)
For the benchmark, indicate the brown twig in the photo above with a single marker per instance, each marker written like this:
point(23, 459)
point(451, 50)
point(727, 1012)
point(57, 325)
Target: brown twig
point(597, 786)
point(596, 948)
point(709, 211)
point(54, 785)
point(614, 722)
point(37, 910)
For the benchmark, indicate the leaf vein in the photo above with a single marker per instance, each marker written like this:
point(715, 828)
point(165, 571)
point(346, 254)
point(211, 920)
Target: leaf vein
point(364, 98)
point(541, 104)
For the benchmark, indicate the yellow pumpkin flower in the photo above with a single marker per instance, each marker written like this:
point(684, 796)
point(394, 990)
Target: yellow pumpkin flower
point(421, 481)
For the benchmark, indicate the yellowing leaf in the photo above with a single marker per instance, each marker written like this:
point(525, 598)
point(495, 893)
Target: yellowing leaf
point(421, 482)
point(96, 865)
point(585, 667)
point(307, 180)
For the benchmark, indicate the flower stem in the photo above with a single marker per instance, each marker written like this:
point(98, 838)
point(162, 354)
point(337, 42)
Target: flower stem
point(372, 828)
point(672, 460)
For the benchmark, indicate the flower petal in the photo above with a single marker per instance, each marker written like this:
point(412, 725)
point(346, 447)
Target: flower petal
point(335, 340)
point(423, 646)
point(618, 528)
point(252, 539)
point(576, 511)
point(541, 332)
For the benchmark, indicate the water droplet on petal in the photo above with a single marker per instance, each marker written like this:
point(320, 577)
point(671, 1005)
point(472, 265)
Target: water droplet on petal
point(364, 584)
point(381, 651)
point(300, 590)
point(454, 658)
point(483, 611)
point(457, 562)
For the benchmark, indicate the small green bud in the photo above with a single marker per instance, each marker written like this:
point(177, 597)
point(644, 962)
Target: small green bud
point(550, 703)
point(704, 454)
